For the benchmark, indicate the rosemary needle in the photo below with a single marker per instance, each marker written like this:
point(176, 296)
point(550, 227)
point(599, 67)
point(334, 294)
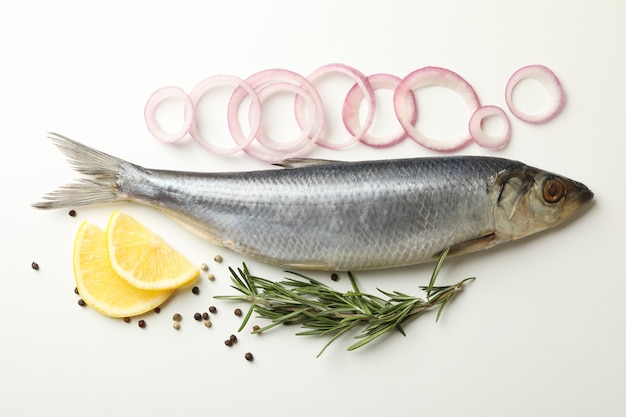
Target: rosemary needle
point(322, 311)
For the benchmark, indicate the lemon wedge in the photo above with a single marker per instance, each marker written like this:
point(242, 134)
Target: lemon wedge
point(143, 259)
point(99, 286)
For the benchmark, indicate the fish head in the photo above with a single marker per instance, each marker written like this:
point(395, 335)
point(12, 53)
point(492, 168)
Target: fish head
point(531, 200)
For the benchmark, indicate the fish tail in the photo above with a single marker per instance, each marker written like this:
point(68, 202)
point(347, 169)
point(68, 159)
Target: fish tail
point(99, 185)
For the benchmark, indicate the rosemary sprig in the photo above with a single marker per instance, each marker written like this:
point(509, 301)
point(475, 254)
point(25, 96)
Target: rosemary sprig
point(322, 311)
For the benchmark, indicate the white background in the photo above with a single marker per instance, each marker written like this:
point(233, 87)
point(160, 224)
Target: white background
point(540, 332)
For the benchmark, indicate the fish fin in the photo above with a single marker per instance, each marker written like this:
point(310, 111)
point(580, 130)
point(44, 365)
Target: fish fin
point(291, 163)
point(482, 242)
point(311, 266)
point(99, 186)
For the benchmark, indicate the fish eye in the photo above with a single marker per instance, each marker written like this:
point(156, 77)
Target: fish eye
point(553, 190)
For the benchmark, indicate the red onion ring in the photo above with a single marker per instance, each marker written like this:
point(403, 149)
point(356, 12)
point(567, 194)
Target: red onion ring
point(307, 133)
point(149, 112)
point(549, 81)
point(352, 104)
point(361, 81)
point(480, 136)
point(428, 76)
point(255, 108)
point(263, 78)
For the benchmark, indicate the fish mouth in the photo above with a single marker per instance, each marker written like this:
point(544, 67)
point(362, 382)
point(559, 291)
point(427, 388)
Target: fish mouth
point(580, 191)
point(581, 201)
point(585, 195)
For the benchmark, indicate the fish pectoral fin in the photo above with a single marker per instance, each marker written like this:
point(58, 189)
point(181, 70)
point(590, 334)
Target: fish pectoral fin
point(312, 266)
point(291, 163)
point(482, 242)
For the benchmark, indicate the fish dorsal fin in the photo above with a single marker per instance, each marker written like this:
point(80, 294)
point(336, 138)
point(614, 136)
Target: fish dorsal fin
point(291, 163)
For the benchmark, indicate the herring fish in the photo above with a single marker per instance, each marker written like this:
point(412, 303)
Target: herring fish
point(338, 216)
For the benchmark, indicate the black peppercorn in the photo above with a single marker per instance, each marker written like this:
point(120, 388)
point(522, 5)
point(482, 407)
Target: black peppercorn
point(81, 302)
point(195, 290)
point(35, 266)
point(72, 213)
point(213, 309)
point(238, 312)
point(233, 338)
point(228, 342)
point(249, 357)
point(141, 323)
point(334, 277)
point(197, 316)
point(205, 316)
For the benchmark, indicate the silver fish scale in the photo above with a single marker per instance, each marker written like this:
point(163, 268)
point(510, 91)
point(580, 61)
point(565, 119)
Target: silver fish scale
point(338, 216)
